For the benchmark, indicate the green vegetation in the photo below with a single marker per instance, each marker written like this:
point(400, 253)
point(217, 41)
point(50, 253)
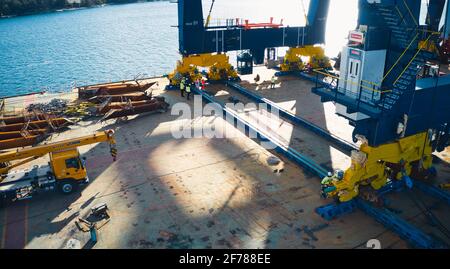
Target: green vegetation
point(22, 7)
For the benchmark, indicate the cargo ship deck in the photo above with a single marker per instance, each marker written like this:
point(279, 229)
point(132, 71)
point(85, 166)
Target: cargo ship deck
point(164, 192)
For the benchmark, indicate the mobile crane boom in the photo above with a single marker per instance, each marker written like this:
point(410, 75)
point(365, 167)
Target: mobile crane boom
point(33, 153)
point(65, 171)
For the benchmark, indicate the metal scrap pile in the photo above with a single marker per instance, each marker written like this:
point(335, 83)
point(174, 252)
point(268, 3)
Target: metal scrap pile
point(63, 108)
point(54, 106)
point(122, 99)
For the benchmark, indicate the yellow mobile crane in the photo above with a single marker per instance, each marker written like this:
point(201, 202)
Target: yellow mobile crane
point(65, 171)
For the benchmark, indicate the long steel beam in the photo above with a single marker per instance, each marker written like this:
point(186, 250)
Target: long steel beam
point(318, 79)
point(344, 145)
point(396, 224)
point(292, 154)
point(433, 191)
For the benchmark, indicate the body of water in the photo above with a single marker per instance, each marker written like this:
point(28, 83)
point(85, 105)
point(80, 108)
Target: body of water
point(52, 51)
point(93, 45)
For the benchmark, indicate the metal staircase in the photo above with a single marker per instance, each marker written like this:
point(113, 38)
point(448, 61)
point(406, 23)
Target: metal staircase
point(405, 33)
point(398, 21)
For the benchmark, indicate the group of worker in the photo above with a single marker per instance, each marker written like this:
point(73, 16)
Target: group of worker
point(273, 80)
point(186, 86)
point(328, 181)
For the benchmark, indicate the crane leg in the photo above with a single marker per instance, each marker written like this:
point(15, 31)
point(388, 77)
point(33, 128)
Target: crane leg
point(218, 66)
point(293, 59)
point(373, 166)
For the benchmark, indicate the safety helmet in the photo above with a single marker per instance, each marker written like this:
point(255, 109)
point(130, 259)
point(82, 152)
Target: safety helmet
point(330, 174)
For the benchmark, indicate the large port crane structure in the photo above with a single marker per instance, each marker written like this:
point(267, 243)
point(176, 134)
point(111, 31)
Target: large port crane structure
point(204, 45)
point(399, 110)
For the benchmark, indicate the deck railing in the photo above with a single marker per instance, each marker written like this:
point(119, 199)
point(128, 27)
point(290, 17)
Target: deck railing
point(368, 92)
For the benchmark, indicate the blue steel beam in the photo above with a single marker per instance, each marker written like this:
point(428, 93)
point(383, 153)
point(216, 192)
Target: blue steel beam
point(318, 79)
point(292, 154)
point(433, 191)
point(405, 230)
point(399, 185)
point(344, 145)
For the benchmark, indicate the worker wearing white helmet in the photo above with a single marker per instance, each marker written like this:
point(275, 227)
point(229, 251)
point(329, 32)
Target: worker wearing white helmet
point(328, 179)
point(326, 183)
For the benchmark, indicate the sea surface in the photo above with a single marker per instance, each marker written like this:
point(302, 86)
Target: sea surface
point(55, 51)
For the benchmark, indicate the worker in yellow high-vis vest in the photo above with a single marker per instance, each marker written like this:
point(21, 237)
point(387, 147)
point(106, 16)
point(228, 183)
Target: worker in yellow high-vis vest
point(182, 86)
point(188, 90)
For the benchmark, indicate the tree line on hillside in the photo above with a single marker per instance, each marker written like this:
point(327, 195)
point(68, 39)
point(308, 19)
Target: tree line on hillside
point(22, 7)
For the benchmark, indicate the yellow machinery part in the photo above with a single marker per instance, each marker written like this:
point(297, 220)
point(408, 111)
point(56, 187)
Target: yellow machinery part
point(317, 59)
point(67, 163)
point(429, 45)
point(374, 165)
point(218, 64)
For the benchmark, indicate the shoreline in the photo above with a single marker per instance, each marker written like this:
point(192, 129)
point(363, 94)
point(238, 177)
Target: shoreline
point(47, 11)
point(21, 95)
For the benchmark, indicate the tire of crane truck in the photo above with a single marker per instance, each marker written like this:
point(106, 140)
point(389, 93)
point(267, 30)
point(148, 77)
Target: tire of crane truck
point(67, 186)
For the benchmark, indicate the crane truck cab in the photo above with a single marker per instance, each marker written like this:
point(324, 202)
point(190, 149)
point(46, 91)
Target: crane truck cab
point(65, 172)
point(69, 169)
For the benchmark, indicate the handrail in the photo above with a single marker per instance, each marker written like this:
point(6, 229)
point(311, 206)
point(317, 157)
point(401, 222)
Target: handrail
point(403, 54)
point(382, 100)
point(410, 44)
point(400, 57)
point(224, 22)
point(354, 83)
point(410, 13)
point(412, 59)
point(426, 31)
point(401, 15)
